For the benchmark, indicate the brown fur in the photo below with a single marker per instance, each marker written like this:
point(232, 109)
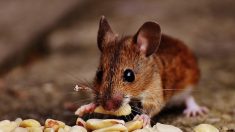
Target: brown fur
point(159, 73)
point(179, 67)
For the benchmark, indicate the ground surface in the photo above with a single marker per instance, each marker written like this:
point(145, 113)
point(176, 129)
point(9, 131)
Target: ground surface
point(44, 89)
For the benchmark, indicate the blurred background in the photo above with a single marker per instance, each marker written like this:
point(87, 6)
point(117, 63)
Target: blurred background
point(46, 47)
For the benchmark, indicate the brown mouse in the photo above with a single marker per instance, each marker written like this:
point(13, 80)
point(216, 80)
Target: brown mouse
point(149, 66)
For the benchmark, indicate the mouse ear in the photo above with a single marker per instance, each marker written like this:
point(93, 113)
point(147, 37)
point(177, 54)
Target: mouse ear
point(148, 38)
point(105, 34)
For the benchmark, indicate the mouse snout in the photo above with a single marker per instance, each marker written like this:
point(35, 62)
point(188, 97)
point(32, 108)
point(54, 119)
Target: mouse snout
point(113, 103)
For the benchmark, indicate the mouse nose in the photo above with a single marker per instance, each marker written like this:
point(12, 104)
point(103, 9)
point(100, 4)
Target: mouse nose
point(113, 104)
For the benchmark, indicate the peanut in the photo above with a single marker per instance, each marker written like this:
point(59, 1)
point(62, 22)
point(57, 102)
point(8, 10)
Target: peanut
point(205, 128)
point(77, 129)
point(95, 124)
point(55, 124)
point(133, 125)
point(49, 130)
point(117, 127)
point(30, 123)
point(81, 122)
point(166, 128)
point(122, 111)
point(35, 129)
point(7, 126)
point(21, 129)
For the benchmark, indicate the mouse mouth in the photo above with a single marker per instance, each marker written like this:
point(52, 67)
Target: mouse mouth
point(114, 102)
point(112, 105)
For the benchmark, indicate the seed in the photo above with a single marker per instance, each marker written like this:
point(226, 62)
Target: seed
point(122, 111)
point(29, 123)
point(7, 126)
point(77, 129)
point(21, 129)
point(166, 128)
point(133, 125)
point(95, 124)
point(80, 122)
point(35, 129)
point(50, 123)
point(49, 130)
point(67, 128)
point(117, 127)
point(205, 128)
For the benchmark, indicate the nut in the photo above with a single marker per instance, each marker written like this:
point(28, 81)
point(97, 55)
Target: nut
point(7, 126)
point(21, 129)
point(117, 127)
point(81, 122)
point(67, 128)
point(145, 129)
point(30, 123)
point(35, 129)
point(165, 128)
point(77, 129)
point(205, 128)
point(95, 124)
point(55, 124)
point(133, 125)
point(61, 130)
point(49, 130)
point(122, 111)
point(18, 121)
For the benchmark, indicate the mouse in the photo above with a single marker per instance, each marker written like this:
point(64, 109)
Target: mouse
point(149, 67)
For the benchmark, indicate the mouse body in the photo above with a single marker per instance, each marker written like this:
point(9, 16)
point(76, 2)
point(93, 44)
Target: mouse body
point(150, 67)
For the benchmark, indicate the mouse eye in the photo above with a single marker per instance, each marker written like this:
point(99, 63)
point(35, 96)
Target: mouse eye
point(99, 75)
point(129, 75)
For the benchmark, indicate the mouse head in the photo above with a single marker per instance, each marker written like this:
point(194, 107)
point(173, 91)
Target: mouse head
point(126, 64)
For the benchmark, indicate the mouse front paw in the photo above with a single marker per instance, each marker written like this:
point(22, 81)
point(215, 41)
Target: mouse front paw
point(85, 109)
point(145, 118)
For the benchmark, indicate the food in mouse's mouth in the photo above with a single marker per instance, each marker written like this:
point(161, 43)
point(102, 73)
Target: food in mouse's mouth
point(122, 111)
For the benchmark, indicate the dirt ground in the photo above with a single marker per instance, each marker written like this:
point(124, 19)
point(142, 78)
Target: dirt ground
point(45, 89)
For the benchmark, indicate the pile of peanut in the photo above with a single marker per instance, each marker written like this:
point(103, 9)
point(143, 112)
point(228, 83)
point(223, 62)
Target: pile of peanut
point(92, 125)
point(31, 125)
